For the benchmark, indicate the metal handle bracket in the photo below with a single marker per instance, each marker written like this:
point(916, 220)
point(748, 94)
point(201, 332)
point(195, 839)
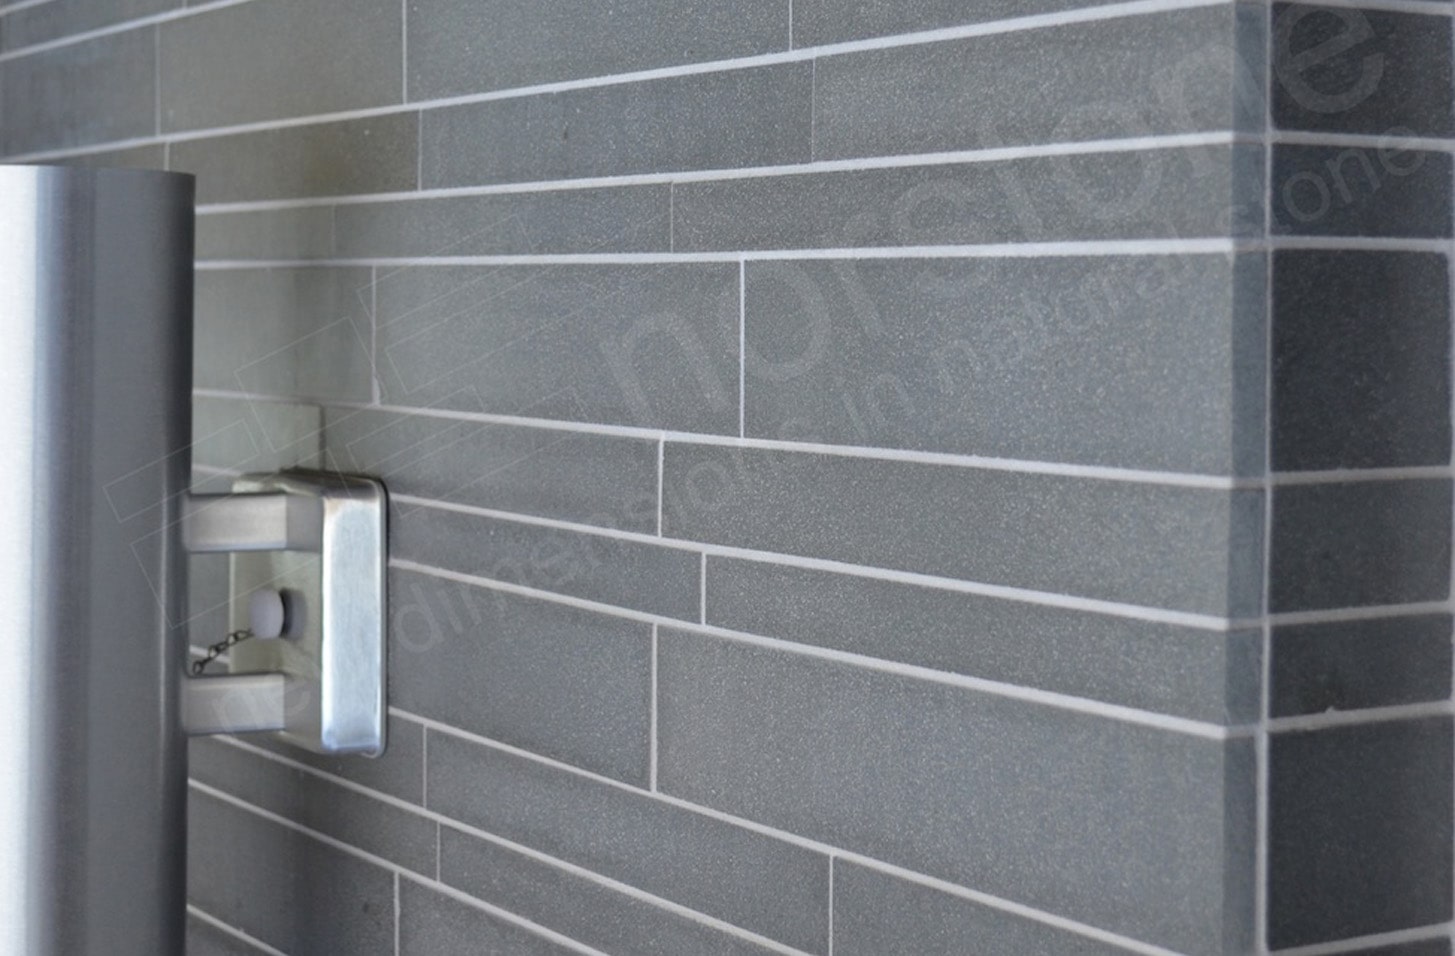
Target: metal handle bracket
point(319, 538)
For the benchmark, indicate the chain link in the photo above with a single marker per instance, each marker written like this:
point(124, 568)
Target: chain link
point(218, 649)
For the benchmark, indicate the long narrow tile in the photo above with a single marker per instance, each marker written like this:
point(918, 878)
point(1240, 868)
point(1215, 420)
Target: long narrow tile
point(601, 917)
point(571, 476)
point(565, 683)
point(1128, 361)
point(749, 117)
point(630, 574)
point(1189, 549)
point(457, 48)
point(654, 346)
point(1360, 831)
point(1176, 71)
point(1140, 831)
point(259, 876)
point(1182, 193)
point(1188, 672)
point(759, 883)
point(265, 60)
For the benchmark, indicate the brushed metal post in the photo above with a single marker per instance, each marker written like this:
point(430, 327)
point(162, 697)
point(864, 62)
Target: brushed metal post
point(95, 382)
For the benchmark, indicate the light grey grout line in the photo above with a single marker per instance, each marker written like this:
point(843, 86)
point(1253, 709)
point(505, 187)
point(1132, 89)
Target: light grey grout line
point(1208, 622)
point(1426, 7)
point(1084, 248)
point(441, 821)
point(812, 109)
point(396, 869)
point(403, 51)
point(1094, 13)
point(790, 24)
point(233, 931)
point(1372, 612)
point(1111, 473)
point(1362, 141)
point(438, 849)
point(1029, 695)
point(742, 348)
point(418, 152)
point(157, 80)
point(1006, 250)
point(1261, 766)
point(832, 858)
point(702, 584)
point(424, 769)
point(684, 177)
point(397, 906)
point(962, 892)
point(1360, 243)
point(1361, 943)
point(376, 390)
point(125, 26)
point(671, 217)
point(1354, 475)
point(661, 484)
point(652, 741)
point(1326, 720)
point(10, 8)
point(1024, 466)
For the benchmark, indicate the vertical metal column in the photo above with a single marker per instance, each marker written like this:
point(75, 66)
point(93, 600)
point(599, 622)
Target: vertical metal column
point(95, 380)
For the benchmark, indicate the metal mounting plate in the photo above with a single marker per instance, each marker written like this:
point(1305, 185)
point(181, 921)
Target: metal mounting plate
point(333, 654)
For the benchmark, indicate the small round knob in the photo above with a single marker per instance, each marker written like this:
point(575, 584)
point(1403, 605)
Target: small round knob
point(267, 615)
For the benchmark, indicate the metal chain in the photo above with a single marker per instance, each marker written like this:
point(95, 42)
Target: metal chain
point(218, 649)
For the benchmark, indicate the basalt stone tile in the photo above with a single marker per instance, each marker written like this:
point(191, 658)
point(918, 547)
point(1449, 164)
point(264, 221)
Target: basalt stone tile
point(1190, 549)
point(1347, 70)
point(595, 479)
point(1138, 362)
point(754, 881)
point(1348, 665)
point(302, 332)
point(1189, 672)
point(638, 344)
point(94, 91)
point(398, 772)
point(251, 62)
point(1361, 369)
point(433, 924)
point(1178, 71)
point(1360, 830)
point(259, 876)
point(583, 909)
point(1342, 191)
point(241, 435)
point(817, 22)
point(376, 827)
point(558, 681)
point(876, 913)
point(457, 48)
point(721, 120)
point(1359, 543)
point(1134, 829)
point(134, 157)
point(1424, 947)
point(204, 939)
point(566, 221)
point(1200, 192)
point(57, 19)
point(304, 232)
point(629, 574)
point(373, 155)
